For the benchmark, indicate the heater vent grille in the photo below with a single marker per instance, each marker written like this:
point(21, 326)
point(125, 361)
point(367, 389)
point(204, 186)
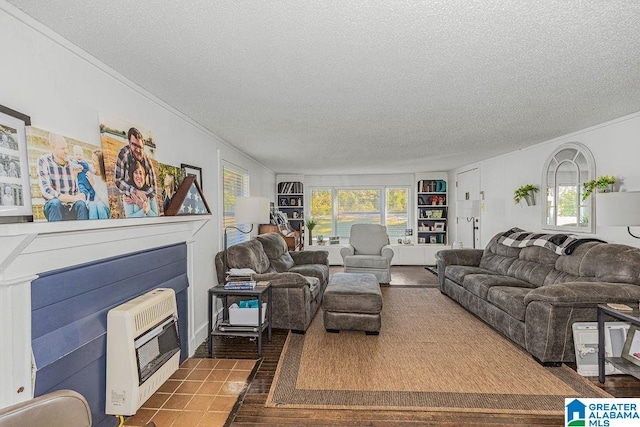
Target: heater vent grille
point(148, 316)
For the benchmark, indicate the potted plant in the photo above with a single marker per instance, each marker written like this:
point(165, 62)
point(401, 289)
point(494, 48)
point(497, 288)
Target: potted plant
point(603, 184)
point(526, 192)
point(311, 224)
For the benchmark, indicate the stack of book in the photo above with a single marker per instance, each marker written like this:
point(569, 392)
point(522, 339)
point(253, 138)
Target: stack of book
point(239, 281)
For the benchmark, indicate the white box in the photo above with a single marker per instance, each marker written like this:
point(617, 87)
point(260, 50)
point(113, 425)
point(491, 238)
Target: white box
point(246, 316)
point(585, 341)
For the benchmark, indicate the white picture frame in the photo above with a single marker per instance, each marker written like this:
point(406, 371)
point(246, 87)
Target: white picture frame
point(15, 191)
point(191, 170)
point(631, 349)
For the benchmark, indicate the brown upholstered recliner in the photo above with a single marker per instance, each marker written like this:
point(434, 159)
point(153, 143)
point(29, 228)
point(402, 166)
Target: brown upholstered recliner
point(298, 278)
point(61, 408)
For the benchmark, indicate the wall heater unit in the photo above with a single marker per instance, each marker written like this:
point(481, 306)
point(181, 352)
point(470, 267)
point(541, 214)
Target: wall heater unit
point(143, 349)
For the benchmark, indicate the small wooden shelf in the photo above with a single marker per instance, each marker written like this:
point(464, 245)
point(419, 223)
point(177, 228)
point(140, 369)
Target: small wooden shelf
point(624, 365)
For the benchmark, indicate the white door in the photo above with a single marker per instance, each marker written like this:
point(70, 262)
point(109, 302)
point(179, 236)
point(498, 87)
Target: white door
point(468, 201)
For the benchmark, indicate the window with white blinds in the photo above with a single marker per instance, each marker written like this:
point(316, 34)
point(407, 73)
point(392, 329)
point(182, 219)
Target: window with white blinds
point(235, 184)
point(335, 209)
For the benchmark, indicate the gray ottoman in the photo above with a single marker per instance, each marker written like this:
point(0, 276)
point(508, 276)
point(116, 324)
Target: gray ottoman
point(352, 301)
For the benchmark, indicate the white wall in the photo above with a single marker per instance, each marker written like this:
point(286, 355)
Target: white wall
point(63, 90)
point(616, 148)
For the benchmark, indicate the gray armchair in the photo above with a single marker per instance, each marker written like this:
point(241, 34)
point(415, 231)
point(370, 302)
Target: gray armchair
point(368, 251)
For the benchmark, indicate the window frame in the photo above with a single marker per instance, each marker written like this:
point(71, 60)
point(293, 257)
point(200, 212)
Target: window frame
point(383, 208)
point(550, 193)
point(228, 216)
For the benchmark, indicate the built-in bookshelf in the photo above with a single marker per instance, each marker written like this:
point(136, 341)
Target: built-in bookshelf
point(432, 211)
point(290, 200)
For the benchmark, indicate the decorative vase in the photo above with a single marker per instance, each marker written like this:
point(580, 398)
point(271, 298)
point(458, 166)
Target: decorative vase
point(607, 189)
point(310, 238)
point(530, 199)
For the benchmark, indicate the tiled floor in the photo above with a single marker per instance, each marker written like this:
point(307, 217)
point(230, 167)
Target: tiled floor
point(202, 392)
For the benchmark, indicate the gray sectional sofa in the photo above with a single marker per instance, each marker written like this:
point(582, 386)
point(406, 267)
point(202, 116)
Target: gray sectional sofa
point(533, 296)
point(298, 279)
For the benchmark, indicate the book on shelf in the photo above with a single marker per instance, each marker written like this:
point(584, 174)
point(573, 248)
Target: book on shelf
point(225, 327)
point(232, 278)
point(620, 307)
point(290, 188)
point(239, 275)
point(240, 286)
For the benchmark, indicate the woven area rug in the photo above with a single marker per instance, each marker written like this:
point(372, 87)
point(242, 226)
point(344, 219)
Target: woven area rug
point(431, 354)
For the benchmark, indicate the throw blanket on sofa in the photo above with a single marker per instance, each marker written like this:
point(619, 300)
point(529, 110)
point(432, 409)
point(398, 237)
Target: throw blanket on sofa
point(561, 244)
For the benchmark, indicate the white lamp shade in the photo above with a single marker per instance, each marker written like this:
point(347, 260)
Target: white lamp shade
point(252, 210)
point(618, 208)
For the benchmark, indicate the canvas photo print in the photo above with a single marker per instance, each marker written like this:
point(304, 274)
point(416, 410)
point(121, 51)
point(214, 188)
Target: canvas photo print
point(131, 169)
point(67, 178)
point(171, 177)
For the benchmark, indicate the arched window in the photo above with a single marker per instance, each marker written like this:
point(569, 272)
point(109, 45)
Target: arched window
point(565, 171)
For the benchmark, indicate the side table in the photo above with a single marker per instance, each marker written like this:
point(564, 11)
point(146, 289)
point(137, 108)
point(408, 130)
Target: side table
point(633, 317)
point(255, 332)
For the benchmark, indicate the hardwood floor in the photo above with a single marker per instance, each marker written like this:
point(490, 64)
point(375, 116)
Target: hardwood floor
point(250, 409)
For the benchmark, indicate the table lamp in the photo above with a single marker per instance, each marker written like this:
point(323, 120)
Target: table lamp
point(618, 209)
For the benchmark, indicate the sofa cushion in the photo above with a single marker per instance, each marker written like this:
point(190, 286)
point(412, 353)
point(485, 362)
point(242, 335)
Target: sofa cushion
point(368, 239)
point(458, 272)
point(319, 271)
point(248, 255)
point(612, 263)
point(366, 261)
point(584, 294)
point(353, 293)
point(509, 299)
point(277, 251)
point(479, 284)
point(498, 257)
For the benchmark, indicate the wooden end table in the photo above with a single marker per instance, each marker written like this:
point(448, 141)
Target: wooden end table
point(633, 317)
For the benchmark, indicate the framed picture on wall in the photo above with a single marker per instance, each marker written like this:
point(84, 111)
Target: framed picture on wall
point(193, 171)
point(188, 199)
point(631, 349)
point(15, 192)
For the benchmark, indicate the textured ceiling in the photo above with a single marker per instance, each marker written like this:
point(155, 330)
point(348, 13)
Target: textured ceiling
point(325, 87)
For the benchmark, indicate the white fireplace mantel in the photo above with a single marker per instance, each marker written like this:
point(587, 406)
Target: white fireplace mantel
point(27, 249)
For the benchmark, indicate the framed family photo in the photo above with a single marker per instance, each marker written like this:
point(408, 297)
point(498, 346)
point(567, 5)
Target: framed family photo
point(50, 170)
point(631, 349)
point(134, 187)
point(15, 194)
point(193, 171)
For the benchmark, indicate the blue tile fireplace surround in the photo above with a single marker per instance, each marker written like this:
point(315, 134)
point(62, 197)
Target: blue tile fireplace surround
point(69, 317)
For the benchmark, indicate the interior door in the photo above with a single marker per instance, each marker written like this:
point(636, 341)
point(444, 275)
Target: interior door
point(468, 208)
